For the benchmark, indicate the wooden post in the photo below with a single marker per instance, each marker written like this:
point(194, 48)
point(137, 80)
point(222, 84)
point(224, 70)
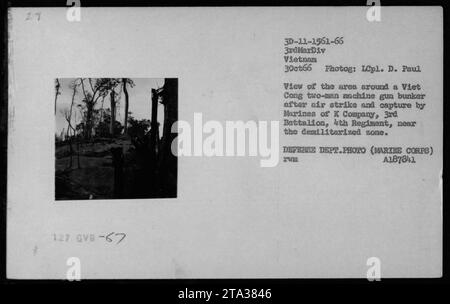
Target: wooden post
point(154, 125)
point(118, 160)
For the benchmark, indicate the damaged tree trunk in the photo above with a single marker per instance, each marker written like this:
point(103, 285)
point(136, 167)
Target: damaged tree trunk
point(125, 91)
point(57, 86)
point(113, 113)
point(154, 127)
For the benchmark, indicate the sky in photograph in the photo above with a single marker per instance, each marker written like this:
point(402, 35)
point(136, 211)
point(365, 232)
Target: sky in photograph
point(139, 102)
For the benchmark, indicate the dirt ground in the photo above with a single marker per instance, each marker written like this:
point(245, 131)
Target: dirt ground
point(94, 178)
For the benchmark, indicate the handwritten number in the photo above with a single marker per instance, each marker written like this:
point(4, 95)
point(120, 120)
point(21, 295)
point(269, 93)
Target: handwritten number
point(123, 236)
point(114, 236)
point(31, 16)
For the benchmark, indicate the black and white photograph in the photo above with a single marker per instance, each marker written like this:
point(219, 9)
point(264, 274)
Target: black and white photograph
point(113, 138)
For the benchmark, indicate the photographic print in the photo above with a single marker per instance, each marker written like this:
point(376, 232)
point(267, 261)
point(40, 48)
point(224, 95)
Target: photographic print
point(307, 144)
point(113, 138)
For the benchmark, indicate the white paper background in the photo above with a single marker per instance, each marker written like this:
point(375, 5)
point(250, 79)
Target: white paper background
point(322, 217)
